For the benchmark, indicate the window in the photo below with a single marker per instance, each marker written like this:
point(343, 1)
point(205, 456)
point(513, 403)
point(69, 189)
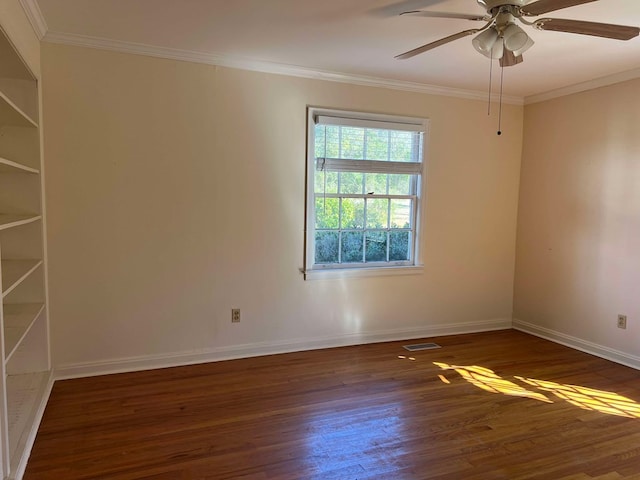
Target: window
point(363, 191)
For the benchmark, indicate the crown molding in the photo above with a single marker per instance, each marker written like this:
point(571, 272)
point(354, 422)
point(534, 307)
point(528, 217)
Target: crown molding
point(264, 67)
point(584, 86)
point(34, 14)
point(39, 25)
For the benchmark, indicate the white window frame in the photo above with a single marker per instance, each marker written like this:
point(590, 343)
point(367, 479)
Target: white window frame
point(392, 122)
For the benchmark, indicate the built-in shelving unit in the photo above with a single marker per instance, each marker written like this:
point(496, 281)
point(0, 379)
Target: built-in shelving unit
point(24, 333)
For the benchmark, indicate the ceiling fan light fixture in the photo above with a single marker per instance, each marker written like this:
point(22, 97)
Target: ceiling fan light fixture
point(515, 38)
point(524, 48)
point(509, 59)
point(498, 50)
point(485, 42)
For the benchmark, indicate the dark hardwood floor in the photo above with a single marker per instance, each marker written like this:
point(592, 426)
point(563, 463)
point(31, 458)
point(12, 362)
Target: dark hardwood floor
point(514, 407)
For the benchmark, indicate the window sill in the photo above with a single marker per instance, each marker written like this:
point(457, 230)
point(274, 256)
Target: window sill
point(340, 273)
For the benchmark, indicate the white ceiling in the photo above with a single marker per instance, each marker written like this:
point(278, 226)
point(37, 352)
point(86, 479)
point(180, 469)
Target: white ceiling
point(354, 37)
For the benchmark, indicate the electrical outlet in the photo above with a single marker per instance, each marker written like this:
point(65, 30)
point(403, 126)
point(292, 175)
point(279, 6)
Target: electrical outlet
point(622, 321)
point(235, 315)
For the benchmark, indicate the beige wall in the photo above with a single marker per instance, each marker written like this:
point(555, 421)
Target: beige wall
point(578, 261)
point(176, 191)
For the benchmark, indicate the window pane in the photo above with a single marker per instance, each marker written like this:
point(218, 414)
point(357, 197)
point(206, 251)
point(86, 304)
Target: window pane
point(352, 213)
point(401, 213)
point(331, 179)
point(376, 183)
point(376, 247)
point(327, 213)
point(352, 143)
point(351, 182)
point(399, 246)
point(400, 184)
point(377, 212)
point(352, 247)
point(326, 247)
point(401, 146)
point(319, 136)
point(332, 137)
point(377, 144)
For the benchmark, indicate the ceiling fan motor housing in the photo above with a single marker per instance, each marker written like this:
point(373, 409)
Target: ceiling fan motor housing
point(503, 20)
point(491, 4)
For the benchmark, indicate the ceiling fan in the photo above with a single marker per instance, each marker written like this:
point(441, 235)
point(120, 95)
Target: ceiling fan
point(501, 38)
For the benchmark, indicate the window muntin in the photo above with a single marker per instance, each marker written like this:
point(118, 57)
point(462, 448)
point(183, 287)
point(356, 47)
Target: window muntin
point(364, 190)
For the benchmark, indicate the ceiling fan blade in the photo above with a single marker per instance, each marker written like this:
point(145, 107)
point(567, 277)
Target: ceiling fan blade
point(606, 30)
point(509, 59)
point(546, 6)
point(437, 43)
point(464, 16)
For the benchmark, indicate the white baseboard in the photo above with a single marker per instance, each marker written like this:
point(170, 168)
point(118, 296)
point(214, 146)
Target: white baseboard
point(149, 362)
point(579, 344)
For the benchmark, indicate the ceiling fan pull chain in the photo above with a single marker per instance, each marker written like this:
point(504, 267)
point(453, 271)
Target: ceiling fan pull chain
point(490, 79)
point(500, 111)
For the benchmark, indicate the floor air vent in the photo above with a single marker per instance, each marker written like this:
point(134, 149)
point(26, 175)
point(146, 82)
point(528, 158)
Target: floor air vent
point(421, 346)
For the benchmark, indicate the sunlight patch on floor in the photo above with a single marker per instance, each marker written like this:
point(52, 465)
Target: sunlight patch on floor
point(586, 398)
point(488, 380)
point(589, 398)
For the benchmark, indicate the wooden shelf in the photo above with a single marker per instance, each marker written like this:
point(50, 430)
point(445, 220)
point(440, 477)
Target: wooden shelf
point(24, 396)
point(8, 166)
point(12, 65)
point(18, 319)
point(14, 272)
point(11, 114)
point(10, 221)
